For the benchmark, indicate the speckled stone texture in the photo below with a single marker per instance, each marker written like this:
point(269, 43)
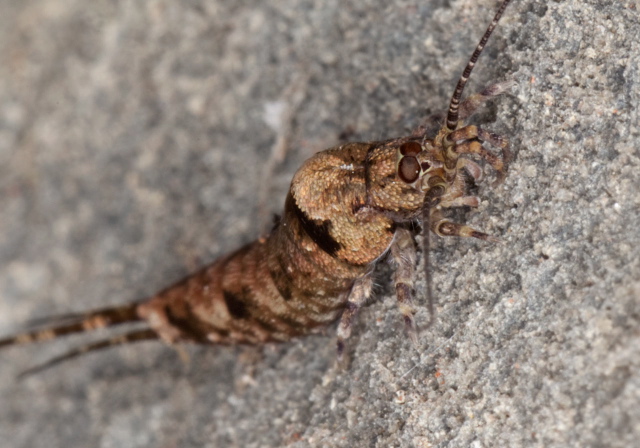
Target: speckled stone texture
point(133, 140)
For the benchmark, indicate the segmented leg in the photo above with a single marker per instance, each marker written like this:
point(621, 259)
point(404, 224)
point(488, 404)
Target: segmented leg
point(462, 201)
point(470, 137)
point(443, 227)
point(467, 140)
point(360, 293)
point(403, 256)
point(472, 132)
point(457, 193)
point(472, 168)
point(475, 147)
point(471, 104)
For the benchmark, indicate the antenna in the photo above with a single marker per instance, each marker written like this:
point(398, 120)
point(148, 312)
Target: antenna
point(452, 116)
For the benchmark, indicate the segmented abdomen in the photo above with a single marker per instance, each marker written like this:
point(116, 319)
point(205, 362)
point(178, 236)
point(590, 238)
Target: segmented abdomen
point(298, 278)
point(269, 290)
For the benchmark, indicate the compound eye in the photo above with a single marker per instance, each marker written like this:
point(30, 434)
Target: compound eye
point(410, 148)
point(409, 169)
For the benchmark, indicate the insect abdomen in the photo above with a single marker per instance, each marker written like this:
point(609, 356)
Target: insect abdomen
point(297, 279)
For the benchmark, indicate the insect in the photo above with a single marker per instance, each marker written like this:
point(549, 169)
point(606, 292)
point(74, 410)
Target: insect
point(348, 207)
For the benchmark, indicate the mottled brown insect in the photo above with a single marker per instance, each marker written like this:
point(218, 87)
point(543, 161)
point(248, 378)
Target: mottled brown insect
point(348, 207)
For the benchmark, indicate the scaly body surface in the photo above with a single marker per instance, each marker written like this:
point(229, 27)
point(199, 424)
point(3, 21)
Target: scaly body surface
point(347, 208)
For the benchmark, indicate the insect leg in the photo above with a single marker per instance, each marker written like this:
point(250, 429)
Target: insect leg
point(472, 103)
point(360, 293)
point(475, 147)
point(403, 256)
point(472, 168)
point(443, 227)
point(457, 196)
point(472, 132)
point(463, 201)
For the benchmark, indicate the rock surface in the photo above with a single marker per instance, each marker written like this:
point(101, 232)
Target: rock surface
point(133, 141)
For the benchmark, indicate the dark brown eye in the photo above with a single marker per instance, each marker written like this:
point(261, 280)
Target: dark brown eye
point(409, 169)
point(425, 166)
point(410, 149)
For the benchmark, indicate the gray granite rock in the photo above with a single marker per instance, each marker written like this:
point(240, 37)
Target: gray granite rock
point(133, 141)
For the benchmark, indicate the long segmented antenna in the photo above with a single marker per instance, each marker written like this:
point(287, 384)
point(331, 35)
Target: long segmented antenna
point(426, 224)
point(452, 116)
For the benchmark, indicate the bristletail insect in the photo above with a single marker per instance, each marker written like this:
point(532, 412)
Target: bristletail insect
point(348, 208)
